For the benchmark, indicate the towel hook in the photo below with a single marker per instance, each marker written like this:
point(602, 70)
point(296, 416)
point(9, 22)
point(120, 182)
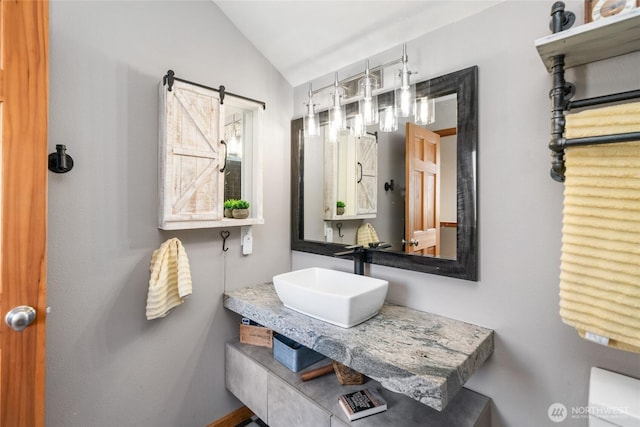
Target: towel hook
point(224, 234)
point(60, 161)
point(339, 227)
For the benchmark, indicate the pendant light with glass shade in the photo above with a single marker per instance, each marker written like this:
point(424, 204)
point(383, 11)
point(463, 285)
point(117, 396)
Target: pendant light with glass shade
point(355, 124)
point(387, 110)
point(383, 109)
point(369, 103)
point(425, 110)
point(405, 91)
point(311, 122)
point(337, 119)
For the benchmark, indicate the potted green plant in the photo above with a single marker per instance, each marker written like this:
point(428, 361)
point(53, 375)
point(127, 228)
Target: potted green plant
point(228, 207)
point(240, 209)
point(340, 207)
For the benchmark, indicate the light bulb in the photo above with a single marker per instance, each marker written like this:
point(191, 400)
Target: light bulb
point(369, 111)
point(405, 103)
point(336, 116)
point(356, 125)
point(311, 125)
point(369, 103)
point(235, 147)
point(425, 111)
point(388, 120)
point(333, 133)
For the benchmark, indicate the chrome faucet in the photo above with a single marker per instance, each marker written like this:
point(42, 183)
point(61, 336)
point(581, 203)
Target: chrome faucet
point(361, 255)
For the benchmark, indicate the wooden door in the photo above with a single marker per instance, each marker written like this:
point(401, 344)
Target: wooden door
point(422, 210)
point(24, 71)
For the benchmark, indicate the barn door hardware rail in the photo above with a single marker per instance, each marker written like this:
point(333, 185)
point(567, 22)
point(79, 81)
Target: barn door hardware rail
point(170, 77)
point(561, 95)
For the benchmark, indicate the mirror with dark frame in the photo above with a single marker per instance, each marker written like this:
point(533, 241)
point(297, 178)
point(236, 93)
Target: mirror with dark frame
point(459, 88)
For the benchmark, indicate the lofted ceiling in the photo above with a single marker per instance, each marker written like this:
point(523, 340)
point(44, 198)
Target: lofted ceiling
point(307, 39)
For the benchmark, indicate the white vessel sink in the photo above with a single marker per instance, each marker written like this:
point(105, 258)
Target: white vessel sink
point(342, 299)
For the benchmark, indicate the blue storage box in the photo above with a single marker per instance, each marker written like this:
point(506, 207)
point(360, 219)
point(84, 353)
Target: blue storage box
point(293, 355)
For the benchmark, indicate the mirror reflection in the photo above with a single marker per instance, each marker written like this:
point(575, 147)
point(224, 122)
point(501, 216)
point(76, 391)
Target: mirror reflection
point(238, 137)
point(420, 195)
point(233, 132)
point(368, 175)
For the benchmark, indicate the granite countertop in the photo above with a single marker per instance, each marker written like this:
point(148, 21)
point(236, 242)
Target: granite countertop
point(422, 355)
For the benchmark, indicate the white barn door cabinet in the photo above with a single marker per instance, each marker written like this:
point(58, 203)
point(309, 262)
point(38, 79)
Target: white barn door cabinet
point(194, 155)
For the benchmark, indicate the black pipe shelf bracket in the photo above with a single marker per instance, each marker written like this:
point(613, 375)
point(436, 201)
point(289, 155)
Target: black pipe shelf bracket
point(170, 78)
point(60, 161)
point(561, 102)
point(561, 94)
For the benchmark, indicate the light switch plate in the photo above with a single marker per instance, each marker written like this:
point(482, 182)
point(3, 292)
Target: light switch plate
point(246, 240)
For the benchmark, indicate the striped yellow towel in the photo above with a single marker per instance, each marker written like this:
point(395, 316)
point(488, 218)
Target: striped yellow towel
point(170, 281)
point(600, 264)
point(366, 234)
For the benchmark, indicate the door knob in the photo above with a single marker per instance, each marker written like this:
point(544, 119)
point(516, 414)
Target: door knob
point(20, 317)
point(411, 242)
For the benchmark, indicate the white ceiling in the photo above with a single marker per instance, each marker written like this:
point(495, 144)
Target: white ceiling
point(307, 39)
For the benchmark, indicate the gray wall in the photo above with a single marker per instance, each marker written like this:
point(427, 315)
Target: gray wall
point(538, 360)
point(106, 364)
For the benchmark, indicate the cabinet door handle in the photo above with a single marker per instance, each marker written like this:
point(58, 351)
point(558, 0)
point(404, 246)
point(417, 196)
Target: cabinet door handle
point(361, 173)
point(225, 156)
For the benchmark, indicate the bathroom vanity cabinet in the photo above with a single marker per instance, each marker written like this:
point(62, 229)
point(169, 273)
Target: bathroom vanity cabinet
point(423, 356)
point(281, 399)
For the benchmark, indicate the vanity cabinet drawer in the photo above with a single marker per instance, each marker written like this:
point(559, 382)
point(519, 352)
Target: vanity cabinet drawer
point(288, 407)
point(247, 380)
point(281, 399)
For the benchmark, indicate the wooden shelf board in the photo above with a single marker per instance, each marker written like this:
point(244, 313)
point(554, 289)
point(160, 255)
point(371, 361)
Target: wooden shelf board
point(595, 41)
point(349, 217)
point(226, 222)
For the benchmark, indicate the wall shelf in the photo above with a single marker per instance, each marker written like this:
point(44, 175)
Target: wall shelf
point(280, 398)
point(423, 355)
point(346, 217)
point(223, 223)
point(566, 47)
point(606, 38)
